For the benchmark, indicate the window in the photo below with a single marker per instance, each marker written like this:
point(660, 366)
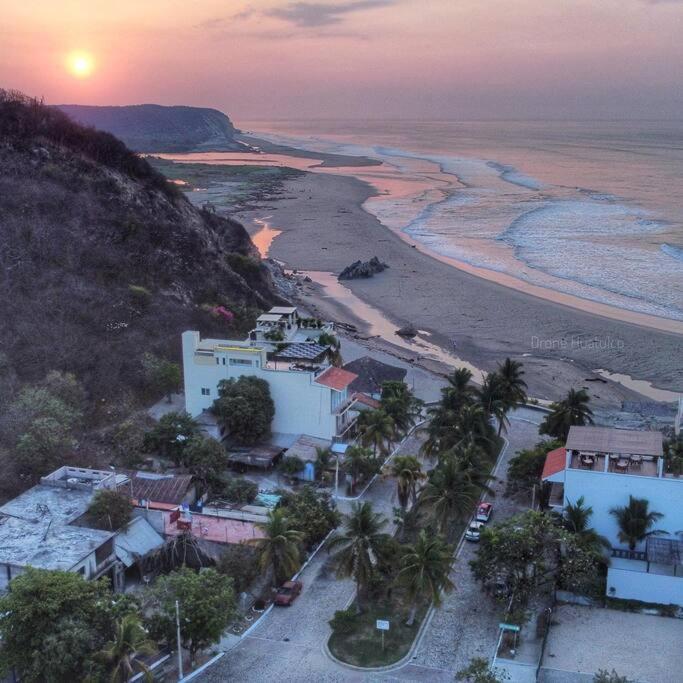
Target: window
point(223, 360)
point(240, 361)
point(217, 361)
point(206, 391)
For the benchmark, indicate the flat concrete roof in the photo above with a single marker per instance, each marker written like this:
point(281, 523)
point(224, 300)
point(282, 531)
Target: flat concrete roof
point(35, 528)
point(609, 440)
point(638, 646)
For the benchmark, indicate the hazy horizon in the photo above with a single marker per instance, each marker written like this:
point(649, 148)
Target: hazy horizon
point(359, 59)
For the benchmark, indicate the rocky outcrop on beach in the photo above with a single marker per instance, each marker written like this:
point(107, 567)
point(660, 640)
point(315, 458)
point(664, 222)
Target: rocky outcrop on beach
point(363, 269)
point(155, 128)
point(407, 331)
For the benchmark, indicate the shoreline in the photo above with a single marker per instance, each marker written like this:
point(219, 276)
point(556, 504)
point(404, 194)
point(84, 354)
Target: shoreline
point(330, 229)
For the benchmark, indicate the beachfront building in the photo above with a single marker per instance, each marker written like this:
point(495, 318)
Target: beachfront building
point(606, 466)
point(311, 395)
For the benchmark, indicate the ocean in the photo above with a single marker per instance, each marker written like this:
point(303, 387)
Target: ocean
point(591, 209)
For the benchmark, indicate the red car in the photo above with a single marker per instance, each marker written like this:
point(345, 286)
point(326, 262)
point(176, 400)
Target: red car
point(484, 511)
point(287, 593)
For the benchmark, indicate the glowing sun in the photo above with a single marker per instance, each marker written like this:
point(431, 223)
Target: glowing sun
point(80, 64)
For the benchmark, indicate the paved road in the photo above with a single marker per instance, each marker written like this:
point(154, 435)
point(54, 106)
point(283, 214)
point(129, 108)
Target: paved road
point(287, 644)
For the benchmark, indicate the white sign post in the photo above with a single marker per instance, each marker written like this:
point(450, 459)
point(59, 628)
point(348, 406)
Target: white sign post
point(382, 626)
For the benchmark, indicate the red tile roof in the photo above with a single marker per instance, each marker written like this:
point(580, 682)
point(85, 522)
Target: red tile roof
point(336, 378)
point(360, 397)
point(555, 462)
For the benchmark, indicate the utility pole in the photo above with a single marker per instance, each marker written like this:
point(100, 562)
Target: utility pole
point(336, 478)
point(180, 649)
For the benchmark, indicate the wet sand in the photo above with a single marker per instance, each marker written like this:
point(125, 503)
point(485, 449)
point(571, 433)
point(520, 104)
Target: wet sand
point(323, 227)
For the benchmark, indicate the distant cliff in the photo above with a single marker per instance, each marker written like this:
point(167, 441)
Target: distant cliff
point(154, 128)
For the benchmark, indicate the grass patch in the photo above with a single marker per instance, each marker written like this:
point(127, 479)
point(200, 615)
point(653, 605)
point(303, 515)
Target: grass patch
point(363, 646)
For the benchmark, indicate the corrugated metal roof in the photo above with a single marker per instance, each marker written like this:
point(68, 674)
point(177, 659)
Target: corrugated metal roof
point(609, 440)
point(137, 540)
point(158, 488)
point(372, 374)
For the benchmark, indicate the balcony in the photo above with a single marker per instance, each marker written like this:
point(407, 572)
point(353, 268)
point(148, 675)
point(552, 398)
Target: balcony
point(618, 463)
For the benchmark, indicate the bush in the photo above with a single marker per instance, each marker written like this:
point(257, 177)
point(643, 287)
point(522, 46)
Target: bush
point(246, 266)
point(291, 466)
point(239, 490)
point(344, 621)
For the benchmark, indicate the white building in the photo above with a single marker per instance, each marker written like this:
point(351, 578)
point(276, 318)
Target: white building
point(606, 466)
point(311, 396)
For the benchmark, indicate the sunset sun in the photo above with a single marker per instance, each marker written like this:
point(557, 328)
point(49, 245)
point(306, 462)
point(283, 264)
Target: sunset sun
point(80, 64)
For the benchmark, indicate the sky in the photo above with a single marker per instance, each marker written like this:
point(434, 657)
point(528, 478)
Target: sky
point(407, 59)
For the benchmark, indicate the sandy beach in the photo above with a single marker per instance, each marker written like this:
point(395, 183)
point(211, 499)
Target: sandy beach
point(323, 227)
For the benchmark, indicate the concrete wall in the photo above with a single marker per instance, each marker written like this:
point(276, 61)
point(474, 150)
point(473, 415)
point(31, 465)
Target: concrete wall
point(605, 490)
point(647, 587)
point(301, 405)
point(154, 517)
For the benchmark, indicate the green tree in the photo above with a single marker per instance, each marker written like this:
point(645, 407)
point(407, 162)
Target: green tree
point(110, 509)
point(53, 623)
point(570, 411)
point(673, 455)
point(494, 399)
point(459, 392)
point(163, 375)
point(323, 460)
point(407, 471)
point(635, 521)
point(376, 430)
point(279, 547)
point(451, 492)
point(311, 513)
point(424, 571)
point(519, 555)
point(479, 671)
point(399, 403)
point(206, 604)
point(358, 546)
point(577, 521)
point(171, 435)
point(43, 447)
point(240, 562)
point(514, 387)
point(121, 656)
point(359, 463)
point(239, 490)
point(244, 407)
point(525, 468)
point(205, 459)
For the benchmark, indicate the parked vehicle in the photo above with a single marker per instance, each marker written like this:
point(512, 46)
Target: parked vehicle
point(473, 532)
point(287, 593)
point(484, 512)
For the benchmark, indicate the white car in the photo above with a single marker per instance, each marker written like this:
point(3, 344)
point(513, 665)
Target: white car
point(473, 532)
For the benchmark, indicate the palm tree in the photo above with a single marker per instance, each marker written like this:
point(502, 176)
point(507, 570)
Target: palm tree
point(424, 571)
point(514, 387)
point(356, 461)
point(120, 656)
point(399, 403)
point(451, 492)
point(460, 390)
point(322, 460)
point(279, 547)
point(635, 521)
point(358, 546)
point(673, 455)
point(576, 521)
point(408, 472)
point(494, 399)
point(376, 429)
point(572, 410)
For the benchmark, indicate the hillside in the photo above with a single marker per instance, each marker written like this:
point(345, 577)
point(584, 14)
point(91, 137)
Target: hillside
point(102, 260)
point(154, 128)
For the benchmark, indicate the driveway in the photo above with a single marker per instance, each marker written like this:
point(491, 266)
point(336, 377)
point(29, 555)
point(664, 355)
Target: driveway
point(287, 644)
